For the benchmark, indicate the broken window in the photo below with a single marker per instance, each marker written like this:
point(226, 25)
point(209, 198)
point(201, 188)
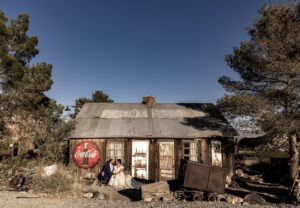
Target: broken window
point(114, 150)
point(190, 150)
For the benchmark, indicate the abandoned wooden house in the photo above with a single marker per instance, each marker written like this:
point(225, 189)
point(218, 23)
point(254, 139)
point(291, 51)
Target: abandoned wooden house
point(150, 138)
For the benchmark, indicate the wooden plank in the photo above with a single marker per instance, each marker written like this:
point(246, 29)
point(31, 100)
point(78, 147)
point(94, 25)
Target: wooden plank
point(230, 164)
point(203, 148)
point(208, 141)
point(152, 167)
point(156, 158)
point(178, 155)
point(224, 154)
point(127, 155)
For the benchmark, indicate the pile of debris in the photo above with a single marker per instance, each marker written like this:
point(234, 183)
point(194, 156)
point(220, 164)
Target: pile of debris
point(256, 178)
point(160, 191)
point(21, 179)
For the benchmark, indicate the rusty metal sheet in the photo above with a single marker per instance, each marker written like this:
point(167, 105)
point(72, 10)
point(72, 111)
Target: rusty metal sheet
point(202, 176)
point(216, 181)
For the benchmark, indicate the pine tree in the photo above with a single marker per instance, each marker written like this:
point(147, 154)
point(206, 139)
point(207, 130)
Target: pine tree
point(23, 85)
point(97, 97)
point(269, 67)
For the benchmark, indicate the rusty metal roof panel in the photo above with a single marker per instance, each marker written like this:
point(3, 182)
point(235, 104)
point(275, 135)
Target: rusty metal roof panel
point(162, 120)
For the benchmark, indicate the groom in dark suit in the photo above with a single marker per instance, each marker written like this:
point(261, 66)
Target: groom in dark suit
point(107, 171)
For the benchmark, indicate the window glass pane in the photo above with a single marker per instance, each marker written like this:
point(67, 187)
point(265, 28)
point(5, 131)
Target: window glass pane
point(186, 144)
point(193, 144)
point(114, 150)
point(119, 146)
point(186, 151)
point(193, 151)
point(110, 145)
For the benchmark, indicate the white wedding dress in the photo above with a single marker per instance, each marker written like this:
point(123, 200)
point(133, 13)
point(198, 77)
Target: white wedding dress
point(122, 181)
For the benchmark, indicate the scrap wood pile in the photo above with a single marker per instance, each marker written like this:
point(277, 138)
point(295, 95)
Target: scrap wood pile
point(19, 180)
point(241, 174)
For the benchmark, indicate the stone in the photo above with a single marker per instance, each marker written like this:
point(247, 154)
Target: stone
point(233, 199)
point(228, 180)
point(167, 197)
point(89, 176)
point(50, 170)
point(88, 195)
point(221, 197)
point(100, 196)
point(254, 198)
point(158, 190)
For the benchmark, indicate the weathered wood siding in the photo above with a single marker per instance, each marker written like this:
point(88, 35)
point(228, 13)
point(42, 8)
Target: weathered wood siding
point(204, 151)
point(178, 155)
point(97, 168)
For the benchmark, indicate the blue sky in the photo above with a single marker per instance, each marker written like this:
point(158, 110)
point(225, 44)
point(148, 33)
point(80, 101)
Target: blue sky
point(172, 49)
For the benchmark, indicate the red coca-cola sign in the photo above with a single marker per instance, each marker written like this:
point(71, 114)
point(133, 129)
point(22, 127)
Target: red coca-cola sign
point(86, 154)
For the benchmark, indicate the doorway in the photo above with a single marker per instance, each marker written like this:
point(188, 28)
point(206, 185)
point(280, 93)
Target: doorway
point(166, 161)
point(140, 159)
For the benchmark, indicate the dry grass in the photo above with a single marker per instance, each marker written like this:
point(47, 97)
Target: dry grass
point(59, 182)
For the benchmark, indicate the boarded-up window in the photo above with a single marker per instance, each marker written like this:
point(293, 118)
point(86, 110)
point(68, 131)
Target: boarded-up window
point(190, 150)
point(114, 150)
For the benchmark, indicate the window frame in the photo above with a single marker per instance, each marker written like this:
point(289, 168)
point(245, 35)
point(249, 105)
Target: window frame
point(115, 150)
point(194, 147)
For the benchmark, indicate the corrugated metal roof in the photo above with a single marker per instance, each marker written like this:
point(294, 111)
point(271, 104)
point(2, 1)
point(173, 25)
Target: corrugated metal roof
point(162, 120)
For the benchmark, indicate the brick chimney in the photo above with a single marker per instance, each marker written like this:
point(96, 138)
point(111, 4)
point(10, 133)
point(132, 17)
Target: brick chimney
point(149, 100)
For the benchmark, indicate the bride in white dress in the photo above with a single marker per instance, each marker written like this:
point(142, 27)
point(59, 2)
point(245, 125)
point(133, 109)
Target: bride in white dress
point(121, 181)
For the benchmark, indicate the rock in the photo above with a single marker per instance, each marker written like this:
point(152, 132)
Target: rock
point(233, 199)
point(260, 180)
point(239, 172)
point(112, 194)
point(100, 196)
point(77, 186)
point(254, 198)
point(228, 180)
point(50, 170)
point(167, 197)
point(89, 176)
point(158, 190)
point(88, 195)
point(245, 203)
point(148, 197)
point(221, 197)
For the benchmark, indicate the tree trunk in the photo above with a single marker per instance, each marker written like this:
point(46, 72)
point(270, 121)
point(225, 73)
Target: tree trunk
point(294, 157)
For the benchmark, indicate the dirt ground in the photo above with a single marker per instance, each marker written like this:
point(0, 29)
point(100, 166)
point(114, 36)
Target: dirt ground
point(11, 199)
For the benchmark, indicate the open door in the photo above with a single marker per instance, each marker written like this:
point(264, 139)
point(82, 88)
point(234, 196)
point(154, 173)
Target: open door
point(140, 159)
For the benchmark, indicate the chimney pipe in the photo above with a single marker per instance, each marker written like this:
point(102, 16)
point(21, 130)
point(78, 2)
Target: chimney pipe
point(149, 100)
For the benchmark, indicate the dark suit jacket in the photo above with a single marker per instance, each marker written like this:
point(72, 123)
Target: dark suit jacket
point(106, 170)
point(107, 173)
